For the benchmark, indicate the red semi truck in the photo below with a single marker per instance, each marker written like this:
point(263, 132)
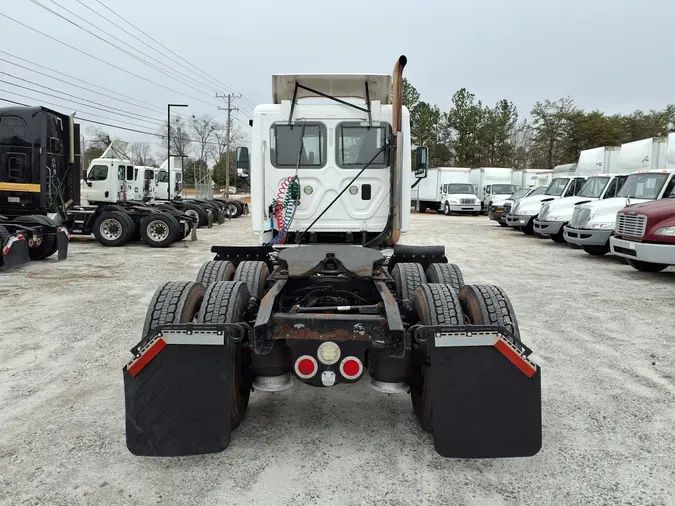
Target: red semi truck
point(645, 235)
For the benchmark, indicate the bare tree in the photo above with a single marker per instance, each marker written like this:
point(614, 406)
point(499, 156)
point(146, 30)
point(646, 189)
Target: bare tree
point(180, 138)
point(218, 147)
point(140, 154)
point(202, 128)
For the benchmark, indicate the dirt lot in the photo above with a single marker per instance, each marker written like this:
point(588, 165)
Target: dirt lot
point(602, 332)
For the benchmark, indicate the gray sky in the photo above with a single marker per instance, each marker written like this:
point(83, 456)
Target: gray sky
point(610, 55)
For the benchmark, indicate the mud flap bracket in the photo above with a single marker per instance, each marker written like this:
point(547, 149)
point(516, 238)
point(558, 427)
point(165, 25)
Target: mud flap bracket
point(14, 251)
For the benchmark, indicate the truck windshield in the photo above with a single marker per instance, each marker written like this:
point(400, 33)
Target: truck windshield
point(503, 189)
point(539, 190)
point(285, 145)
point(358, 143)
point(593, 187)
point(520, 193)
point(460, 188)
point(557, 187)
point(643, 186)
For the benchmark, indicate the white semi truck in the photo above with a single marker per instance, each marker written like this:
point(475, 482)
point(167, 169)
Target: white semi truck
point(320, 301)
point(611, 174)
point(446, 189)
point(592, 224)
point(493, 185)
point(567, 181)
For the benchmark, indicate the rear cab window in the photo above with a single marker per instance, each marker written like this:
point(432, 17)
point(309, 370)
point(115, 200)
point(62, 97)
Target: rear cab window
point(358, 143)
point(285, 143)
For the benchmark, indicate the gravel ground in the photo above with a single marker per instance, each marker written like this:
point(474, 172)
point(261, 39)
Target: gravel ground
point(602, 332)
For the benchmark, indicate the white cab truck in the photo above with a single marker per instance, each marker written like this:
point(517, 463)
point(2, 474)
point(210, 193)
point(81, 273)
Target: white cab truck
point(493, 184)
point(544, 178)
point(528, 178)
point(567, 181)
point(498, 212)
point(331, 187)
point(555, 214)
point(592, 224)
point(446, 189)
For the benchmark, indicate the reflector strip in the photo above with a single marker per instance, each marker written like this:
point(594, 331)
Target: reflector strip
point(20, 187)
point(521, 363)
point(137, 365)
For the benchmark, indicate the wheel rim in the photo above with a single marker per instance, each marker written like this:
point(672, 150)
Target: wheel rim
point(111, 229)
point(447, 209)
point(231, 209)
point(158, 230)
point(193, 214)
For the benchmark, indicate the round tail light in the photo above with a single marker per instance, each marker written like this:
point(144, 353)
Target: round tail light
point(306, 367)
point(328, 353)
point(351, 368)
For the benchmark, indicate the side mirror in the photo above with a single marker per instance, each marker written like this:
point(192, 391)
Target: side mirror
point(421, 162)
point(243, 161)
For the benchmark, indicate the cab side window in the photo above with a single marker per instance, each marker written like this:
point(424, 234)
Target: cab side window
point(670, 189)
point(612, 188)
point(98, 173)
point(575, 187)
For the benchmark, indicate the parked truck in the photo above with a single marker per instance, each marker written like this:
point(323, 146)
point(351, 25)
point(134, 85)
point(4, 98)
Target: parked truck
point(567, 181)
point(39, 156)
point(498, 212)
point(493, 185)
point(320, 302)
point(446, 189)
point(528, 178)
point(555, 214)
point(592, 224)
point(644, 235)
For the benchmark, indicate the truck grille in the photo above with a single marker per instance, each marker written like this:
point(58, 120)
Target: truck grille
point(507, 207)
point(466, 201)
point(543, 213)
point(580, 217)
point(634, 226)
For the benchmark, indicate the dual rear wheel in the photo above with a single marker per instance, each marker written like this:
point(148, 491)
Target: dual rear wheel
point(440, 297)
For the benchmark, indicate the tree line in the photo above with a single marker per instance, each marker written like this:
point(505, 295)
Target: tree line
point(200, 140)
point(474, 134)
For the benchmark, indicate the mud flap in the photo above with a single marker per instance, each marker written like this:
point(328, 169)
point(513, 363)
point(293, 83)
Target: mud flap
point(62, 239)
point(176, 393)
point(221, 216)
point(15, 252)
point(209, 220)
point(486, 396)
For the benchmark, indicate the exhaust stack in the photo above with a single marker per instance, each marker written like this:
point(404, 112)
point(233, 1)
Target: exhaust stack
point(397, 168)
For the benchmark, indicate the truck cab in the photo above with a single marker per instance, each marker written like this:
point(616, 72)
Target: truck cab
point(645, 234)
point(492, 184)
point(523, 212)
point(554, 215)
point(498, 211)
point(592, 224)
point(459, 197)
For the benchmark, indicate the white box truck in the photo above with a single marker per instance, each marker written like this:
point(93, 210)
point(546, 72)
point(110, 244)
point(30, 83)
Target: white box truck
point(446, 189)
point(526, 178)
point(566, 181)
point(493, 184)
point(592, 224)
point(604, 184)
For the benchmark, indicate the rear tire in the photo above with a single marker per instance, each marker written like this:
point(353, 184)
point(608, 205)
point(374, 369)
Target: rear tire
point(559, 237)
point(111, 228)
point(646, 266)
point(501, 224)
point(173, 302)
point(254, 274)
point(528, 229)
point(434, 304)
point(596, 251)
point(4, 235)
point(160, 230)
point(226, 302)
point(233, 209)
point(408, 276)
point(201, 213)
point(214, 271)
point(447, 274)
point(489, 305)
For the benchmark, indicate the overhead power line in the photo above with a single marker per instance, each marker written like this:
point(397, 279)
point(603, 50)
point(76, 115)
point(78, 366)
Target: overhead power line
point(101, 60)
point(113, 110)
point(153, 108)
point(220, 83)
point(93, 34)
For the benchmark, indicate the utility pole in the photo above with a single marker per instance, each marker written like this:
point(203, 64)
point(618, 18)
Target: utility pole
point(229, 110)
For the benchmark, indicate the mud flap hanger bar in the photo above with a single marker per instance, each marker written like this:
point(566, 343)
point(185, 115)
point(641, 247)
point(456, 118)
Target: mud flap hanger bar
point(193, 333)
point(500, 338)
point(339, 101)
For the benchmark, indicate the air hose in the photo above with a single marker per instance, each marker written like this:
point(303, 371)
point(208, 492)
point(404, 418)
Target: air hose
point(284, 207)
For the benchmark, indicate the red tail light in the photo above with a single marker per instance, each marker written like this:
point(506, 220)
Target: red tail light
point(351, 368)
point(306, 367)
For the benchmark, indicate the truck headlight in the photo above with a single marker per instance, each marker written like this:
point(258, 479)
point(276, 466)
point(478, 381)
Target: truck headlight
point(559, 217)
point(665, 231)
point(528, 212)
point(602, 226)
point(453, 201)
